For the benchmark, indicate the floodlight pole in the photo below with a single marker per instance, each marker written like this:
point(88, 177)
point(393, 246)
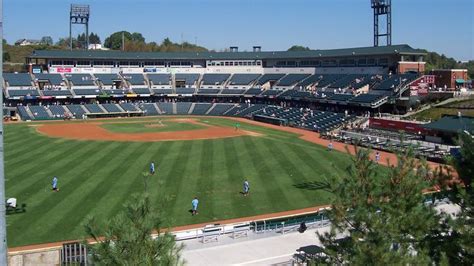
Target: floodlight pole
point(3, 211)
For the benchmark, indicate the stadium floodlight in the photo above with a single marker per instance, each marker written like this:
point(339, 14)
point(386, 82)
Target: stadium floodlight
point(79, 14)
point(382, 8)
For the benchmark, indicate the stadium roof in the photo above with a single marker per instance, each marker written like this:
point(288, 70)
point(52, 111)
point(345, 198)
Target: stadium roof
point(453, 124)
point(402, 49)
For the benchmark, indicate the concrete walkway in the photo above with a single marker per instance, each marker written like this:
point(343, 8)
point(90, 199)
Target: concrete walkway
point(257, 249)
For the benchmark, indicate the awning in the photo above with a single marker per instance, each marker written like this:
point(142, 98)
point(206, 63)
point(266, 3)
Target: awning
point(459, 80)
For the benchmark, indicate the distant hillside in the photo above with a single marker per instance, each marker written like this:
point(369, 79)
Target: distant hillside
point(437, 61)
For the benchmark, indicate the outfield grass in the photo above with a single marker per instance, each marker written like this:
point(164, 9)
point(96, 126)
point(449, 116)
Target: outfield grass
point(97, 177)
point(151, 126)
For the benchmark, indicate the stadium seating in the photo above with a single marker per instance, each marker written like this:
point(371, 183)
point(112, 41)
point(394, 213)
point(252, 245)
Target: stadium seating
point(308, 81)
point(214, 79)
point(166, 108)
point(367, 98)
point(57, 110)
point(87, 92)
point(149, 108)
point(24, 115)
point(128, 107)
point(269, 77)
point(253, 91)
point(189, 79)
point(339, 97)
point(232, 91)
point(52, 79)
point(141, 91)
point(220, 108)
point(271, 93)
point(328, 79)
point(291, 79)
point(185, 91)
point(57, 93)
point(209, 91)
point(80, 80)
point(22, 93)
point(107, 79)
point(39, 112)
point(201, 108)
point(135, 79)
point(243, 79)
point(162, 91)
point(18, 79)
point(111, 108)
point(159, 79)
point(76, 110)
point(115, 93)
point(93, 108)
point(182, 108)
point(395, 81)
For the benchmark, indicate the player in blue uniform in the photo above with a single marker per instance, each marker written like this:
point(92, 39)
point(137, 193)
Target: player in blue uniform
point(194, 204)
point(152, 168)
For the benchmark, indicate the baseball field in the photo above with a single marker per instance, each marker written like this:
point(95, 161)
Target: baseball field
point(99, 164)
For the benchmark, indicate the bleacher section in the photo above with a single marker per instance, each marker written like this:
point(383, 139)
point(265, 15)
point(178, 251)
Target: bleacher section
point(182, 91)
point(80, 80)
point(107, 79)
point(201, 108)
point(159, 79)
point(57, 110)
point(395, 81)
point(188, 79)
point(214, 79)
point(304, 118)
point(243, 79)
point(148, 108)
point(328, 79)
point(220, 109)
point(39, 112)
point(87, 92)
point(128, 107)
point(271, 93)
point(308, 81)
point(166, 108)
point(76, 110)
point(253, 91)
point(18, 79)
point(135, 79)
point(93, 108)
point(52, 79)
point(57, 93)
point(232, 91)
point(23, 93)
point(162, 91)
point(141, 91)
point(111, 108)
point(182, 108)
point(291, 79)
point(114, 93)
point(209, 91)
point(269, 78)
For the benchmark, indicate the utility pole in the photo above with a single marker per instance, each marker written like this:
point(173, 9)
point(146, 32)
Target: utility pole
point(3, 211)
point(123, 41)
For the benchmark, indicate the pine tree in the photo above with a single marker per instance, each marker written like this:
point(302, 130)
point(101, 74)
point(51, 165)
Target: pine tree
point(378, 216)
point(127, 239)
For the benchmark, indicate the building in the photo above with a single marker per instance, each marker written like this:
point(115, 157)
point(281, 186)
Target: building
point(450, 78)
point(395, 59)
point(25, 42)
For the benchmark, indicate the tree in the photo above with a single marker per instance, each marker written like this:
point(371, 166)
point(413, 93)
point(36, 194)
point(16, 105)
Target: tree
point(299, 48)
point(47, 40)
point(138, 37)
point(6, 57)
point(380, 214)
point(94, 38)
point(127, 239)
point(457, 242)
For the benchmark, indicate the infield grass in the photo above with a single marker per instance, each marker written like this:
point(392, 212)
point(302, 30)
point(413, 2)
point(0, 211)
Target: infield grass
point(97, 177)
point(158, 125)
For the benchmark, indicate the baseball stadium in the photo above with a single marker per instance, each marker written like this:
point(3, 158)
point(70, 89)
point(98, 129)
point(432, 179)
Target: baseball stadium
point(185, 125)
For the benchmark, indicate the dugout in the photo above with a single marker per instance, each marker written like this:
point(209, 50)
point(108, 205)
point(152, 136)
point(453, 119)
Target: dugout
point(271, 120)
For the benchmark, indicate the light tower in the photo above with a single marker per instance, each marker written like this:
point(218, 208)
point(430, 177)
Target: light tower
point(382, 8)
point(79, 14)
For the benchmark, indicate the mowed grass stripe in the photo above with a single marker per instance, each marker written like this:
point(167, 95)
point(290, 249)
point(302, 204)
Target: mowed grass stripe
point(60, 202)
point(267, 175)
point(207, 179)
point(235, 177)
point(38, 174)
point(131, 180)
point(96, 186)
point(32, 146)
point(174, 185)
point(287, 165)
point(258, 198)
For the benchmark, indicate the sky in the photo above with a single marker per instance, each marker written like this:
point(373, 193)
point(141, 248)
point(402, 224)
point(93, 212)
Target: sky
point(443, 26)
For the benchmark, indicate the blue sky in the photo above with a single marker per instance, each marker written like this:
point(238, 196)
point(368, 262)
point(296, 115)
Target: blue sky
point(444, 26)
